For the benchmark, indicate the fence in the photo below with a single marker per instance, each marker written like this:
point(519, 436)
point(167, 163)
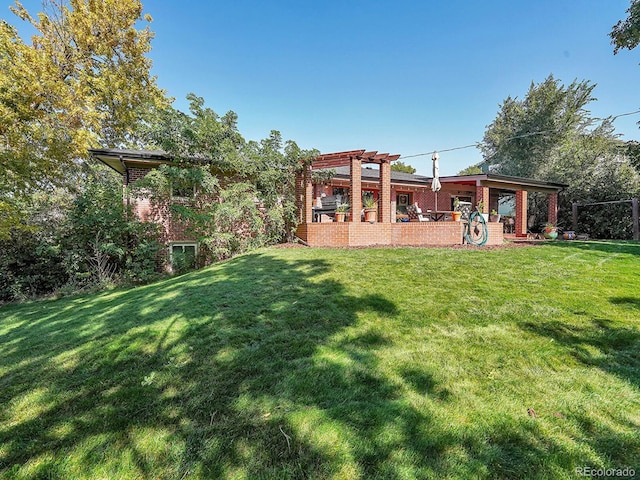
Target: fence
point(634, 214)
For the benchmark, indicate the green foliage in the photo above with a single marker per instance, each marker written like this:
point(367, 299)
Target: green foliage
point(203, 137)
point(273, 166)
point(525, 134)
point(632, 152)
point(626, 33)
point(31, 257)
point(549, 135)
point(182, 261)
point(84, 80)
point(106, 241)
point(368, 201)
point(471, 170)
point(402, 167)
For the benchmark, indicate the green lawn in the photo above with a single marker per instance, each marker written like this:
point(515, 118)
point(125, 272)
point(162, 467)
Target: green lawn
point(319, 363)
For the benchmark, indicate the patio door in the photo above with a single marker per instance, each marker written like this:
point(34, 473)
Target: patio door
point(403, 200)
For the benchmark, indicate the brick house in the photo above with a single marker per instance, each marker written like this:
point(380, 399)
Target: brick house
point(358, 172)
point(134, 165)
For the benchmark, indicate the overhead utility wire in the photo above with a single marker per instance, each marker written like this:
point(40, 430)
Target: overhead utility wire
point(477, 144)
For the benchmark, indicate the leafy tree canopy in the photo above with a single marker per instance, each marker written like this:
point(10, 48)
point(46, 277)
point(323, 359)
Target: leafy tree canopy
point(471, 170)
point(83, 81)
point(522, 138)
point(626, 33)
point(549, 135)
point(268, 165)
point(402, 167)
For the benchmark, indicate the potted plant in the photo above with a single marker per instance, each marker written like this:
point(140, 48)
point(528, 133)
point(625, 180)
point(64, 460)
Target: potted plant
point(494, 216)
point(480, 209)
point(370, 210)
point(550, 231)
point(341, 212)
point(456, 214)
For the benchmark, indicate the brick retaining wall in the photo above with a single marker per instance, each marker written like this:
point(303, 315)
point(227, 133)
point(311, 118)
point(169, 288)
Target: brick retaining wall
point(350, 234)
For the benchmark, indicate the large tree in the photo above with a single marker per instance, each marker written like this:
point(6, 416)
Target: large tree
point(525, 133)
point(550, 135)
point(402, 167)
point(84, 80)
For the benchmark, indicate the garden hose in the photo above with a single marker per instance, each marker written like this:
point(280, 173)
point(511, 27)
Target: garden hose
point(476, 232)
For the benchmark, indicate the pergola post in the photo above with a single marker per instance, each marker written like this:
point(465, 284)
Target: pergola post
point(385, 192)
point(552, 208)
point(308, 196)
point(300, 197)
point(521, 213)
point(482, 195)
point(356, 188)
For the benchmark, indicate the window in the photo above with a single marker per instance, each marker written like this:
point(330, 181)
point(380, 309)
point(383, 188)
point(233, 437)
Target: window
point(183, 256)
point(370, 194)
point(403, 200)
point(341, 194)
point(344, 192)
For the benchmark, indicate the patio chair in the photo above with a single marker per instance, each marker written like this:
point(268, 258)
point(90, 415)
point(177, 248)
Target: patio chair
point(465, 208)
point(415, 214)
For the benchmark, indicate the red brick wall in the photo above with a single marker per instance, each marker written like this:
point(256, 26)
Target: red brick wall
point(135, 174)
point(171, 230)
point(521, 213)
point(482, 195)
point(552, 215)
point(300, 196)
point(405, 233)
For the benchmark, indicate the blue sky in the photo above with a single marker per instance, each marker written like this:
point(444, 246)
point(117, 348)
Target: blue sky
point(393, 76)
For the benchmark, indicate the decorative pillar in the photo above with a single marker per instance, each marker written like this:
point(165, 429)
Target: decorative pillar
point(521, 213)
point(300, 191)
point(482, 195)
point(308, 196)
point(356, 189)
point(552, 214)
point(384, 203)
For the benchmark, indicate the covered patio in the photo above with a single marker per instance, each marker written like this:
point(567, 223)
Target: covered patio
point(360, 171)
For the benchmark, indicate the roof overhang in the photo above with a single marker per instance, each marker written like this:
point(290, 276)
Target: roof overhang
point(120, 160)
point(505, 183)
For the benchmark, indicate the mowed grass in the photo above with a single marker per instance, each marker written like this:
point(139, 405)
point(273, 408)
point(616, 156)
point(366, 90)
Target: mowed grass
point(318, 363)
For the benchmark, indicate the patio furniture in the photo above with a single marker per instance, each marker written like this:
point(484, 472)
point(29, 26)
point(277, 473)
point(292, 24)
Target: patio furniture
point(465, 208)
point(439, 215)
point(415, 214)
point(328, 207)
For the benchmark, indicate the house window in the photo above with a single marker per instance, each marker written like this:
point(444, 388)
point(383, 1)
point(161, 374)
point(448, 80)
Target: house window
point(183, 256)
point(341, 191)
point(403, 200)
point(368, 194)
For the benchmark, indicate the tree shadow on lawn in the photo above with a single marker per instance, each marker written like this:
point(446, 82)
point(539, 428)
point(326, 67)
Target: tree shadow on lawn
point(254, 367)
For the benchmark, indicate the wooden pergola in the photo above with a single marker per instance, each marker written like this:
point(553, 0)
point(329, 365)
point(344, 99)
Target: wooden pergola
point(354, 159)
